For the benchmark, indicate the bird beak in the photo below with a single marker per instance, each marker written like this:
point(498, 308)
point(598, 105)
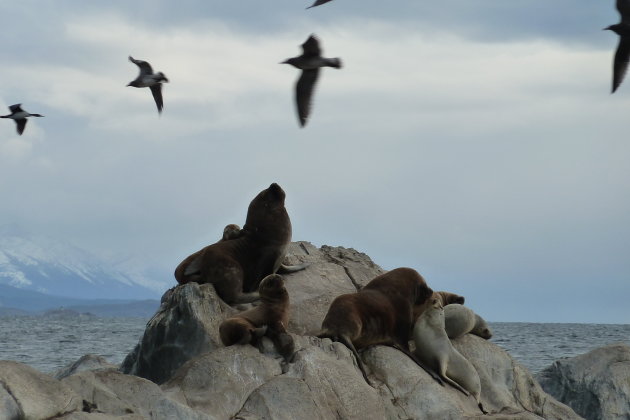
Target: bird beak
point(284, 62)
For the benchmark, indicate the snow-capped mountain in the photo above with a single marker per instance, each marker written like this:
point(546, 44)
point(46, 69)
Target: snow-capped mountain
point(42, 264)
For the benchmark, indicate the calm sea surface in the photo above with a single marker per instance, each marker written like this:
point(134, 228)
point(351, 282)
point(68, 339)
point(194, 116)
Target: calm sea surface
point(50, 344)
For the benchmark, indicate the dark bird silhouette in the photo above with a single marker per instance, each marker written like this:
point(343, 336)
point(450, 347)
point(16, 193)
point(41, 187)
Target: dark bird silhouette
point(622, 55)
point(19, 116)
point(147, 78)
point(317, 3)
point(309, 62)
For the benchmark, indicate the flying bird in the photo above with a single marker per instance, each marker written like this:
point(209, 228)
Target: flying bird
point(19, 116)
point(317, 3)
point(622, 55)
point(309, 62)
point(147, 78)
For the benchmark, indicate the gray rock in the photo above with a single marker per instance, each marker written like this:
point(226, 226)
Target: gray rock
point(87, 362)
point(186, 325)
point(202, 380)
point(332, 271)
point(98, 416)
point(507, 389)
point(323, 382)
point(596, 384)
point(27, 394)
point(219, 382)
point(113, 393)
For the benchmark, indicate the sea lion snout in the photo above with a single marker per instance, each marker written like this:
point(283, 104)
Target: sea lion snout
point(276, 190)
point(272, 282)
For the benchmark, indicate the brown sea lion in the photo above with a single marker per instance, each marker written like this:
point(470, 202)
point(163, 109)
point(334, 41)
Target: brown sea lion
point(436, 352)
point(233, 231)
point(235, 267)
point(379, 313)
point(459, 320)
point(269, 318)
point(445, 297)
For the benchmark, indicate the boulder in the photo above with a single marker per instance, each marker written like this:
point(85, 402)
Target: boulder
point(219, 382)
point(87, 362)
point(116, 394)
point(27, 394)
point(332, 271)
point(185, 325)
point(596, 384)
point(507, 389)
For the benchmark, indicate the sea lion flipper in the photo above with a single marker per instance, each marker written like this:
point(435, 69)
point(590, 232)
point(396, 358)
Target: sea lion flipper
point(348, 343)
point(247, 297)
point(415, 358)
point(194, 267)
point(286, 269)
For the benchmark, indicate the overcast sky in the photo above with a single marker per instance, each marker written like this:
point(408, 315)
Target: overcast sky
point(476, 142)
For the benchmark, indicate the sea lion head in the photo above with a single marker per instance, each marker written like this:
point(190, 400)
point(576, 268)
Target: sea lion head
point(481, 328)
point(272, 286)
point(231, 231)
point(267, 215)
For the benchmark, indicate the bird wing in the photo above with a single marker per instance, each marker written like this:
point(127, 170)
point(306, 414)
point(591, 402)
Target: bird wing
point(21, 123)
point(621, 61)
point(304, 92)
point(16, 108)
point(311, 47)
point(145, 68)
point(623, 6)
point(156, 90)
point(317, 3)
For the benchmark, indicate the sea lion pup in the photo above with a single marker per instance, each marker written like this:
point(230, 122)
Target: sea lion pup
point(435, 351)
point(379, 313)
point(269, 318)
point(460, 320)
point(231, 231)
point(235, 267)
point(445, 297)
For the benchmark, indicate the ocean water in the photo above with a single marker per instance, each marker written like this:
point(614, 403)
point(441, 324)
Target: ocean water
point(51, 344)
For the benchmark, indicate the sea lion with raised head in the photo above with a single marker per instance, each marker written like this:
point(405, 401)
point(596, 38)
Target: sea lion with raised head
point(379, 313)
point(460, 320)
point(269, 318)
point(436, 352)
point(236, 266)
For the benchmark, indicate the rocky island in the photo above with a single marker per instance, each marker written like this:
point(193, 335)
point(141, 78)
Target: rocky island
point(181, 370)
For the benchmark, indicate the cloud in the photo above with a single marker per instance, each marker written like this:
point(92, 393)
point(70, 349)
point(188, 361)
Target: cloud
point(482, 150)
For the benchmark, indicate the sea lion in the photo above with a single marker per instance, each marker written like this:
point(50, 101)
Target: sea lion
point(379, 313)
point(460, 320)
point(445, 297)
point(269, 318)
point(236, 266)
point(233, 231)
point(436, 352)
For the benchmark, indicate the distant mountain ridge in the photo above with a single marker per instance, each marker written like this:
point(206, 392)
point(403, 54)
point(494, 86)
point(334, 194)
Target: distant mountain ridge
point(14, 301)
point(47, 266)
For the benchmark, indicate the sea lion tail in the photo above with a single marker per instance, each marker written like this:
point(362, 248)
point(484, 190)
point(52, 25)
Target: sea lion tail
point(286, 269)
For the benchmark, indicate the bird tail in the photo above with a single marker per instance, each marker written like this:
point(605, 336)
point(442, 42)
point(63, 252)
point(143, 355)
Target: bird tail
point(162, 77)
